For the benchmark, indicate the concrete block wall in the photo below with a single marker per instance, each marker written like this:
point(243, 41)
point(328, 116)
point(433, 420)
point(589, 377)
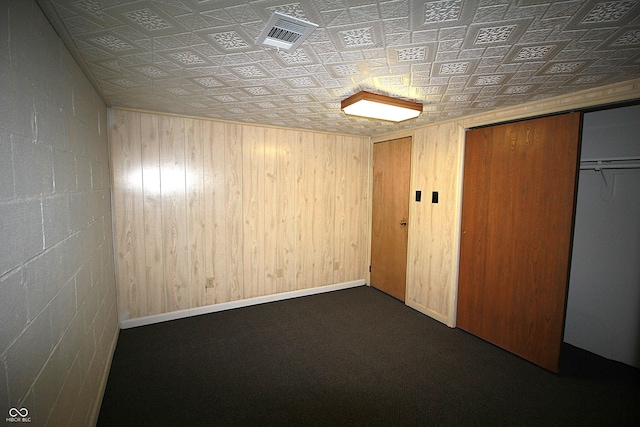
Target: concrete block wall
point(58, 320)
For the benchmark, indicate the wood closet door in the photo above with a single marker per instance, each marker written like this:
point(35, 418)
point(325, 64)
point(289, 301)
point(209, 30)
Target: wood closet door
point(517, 224)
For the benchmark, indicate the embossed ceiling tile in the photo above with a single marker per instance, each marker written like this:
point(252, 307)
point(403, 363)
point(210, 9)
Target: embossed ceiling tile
point(330, 58)
point(366, 13)
point(109, 42)
point(250, 71)
point(471, 53)
point(465, 67)
point(236, 59)
point(105, 73)
point(297, 57)
point(449, 45)
point(496, 51)
point(342, 70)
point(486, 69)
point(518, 11)
point(196, 22)
point(611, 11)
point(395, 8)
point(604, 14)
point(488, 80)
point(358, 37)
point(563, 9)
point(186, 57)
point(396, 25)
point(78, 25)
point(335, 17)
point(597, 35)
point(426, 36)
point(495, 33)
point(324, 48)
point(397, 39)
point(446, 56)
point(92, 54)
point(490, 13)
point(438, 81)
point(527, 80)
point(587, 79)
point(622, 38)
point(375, 56)
point(129, 33)
point(450, 12)
point(292, 9)
point(411, 54)
point(243, 14)
point(352, 56)
point(448, 34)
point(151, 71)
point(534, 52)
point(535, 36)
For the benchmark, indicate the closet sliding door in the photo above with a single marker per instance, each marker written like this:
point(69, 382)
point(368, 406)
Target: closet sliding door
point(517, 220)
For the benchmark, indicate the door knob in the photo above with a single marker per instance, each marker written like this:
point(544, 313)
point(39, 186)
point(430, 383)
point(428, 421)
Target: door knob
point(403, 222)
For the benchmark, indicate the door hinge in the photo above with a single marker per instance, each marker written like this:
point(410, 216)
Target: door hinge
point(369, 269)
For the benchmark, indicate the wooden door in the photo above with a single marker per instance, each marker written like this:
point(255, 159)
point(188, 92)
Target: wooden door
point(517, 222)
point(391, 174)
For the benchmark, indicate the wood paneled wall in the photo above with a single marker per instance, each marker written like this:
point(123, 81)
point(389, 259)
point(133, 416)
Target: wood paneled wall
point(207, 212)
point(433, 247)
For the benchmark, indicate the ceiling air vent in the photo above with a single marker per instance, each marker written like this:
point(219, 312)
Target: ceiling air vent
point(285, 32)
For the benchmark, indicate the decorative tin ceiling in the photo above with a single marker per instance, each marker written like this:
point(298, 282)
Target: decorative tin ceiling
point(458, 57)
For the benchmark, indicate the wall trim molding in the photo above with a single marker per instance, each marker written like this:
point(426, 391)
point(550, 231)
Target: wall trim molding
point(95, 413)
point(213, 308)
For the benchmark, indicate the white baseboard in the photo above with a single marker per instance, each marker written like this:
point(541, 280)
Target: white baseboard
point(95, 413)
point(181, 314)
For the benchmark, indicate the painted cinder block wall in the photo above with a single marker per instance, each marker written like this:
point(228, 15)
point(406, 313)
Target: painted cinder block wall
point(58, 319)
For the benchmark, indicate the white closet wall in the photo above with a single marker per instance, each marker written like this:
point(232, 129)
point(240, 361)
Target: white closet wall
point(603, 309)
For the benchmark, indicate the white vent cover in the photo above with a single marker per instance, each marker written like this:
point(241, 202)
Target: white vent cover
point(285, 32)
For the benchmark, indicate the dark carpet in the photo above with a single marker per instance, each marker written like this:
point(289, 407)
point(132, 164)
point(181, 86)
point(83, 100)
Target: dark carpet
point(352, 357)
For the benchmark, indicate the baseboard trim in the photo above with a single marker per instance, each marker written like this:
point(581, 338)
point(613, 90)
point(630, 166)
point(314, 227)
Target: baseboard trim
point(95, 413)
point(189, 312)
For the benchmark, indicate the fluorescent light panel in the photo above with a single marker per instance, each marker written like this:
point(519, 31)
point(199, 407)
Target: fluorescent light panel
point(380, 107)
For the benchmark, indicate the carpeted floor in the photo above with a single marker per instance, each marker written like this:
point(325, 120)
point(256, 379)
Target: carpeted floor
point(352, 357)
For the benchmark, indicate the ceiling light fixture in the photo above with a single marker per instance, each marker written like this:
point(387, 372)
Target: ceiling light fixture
point(381, 107)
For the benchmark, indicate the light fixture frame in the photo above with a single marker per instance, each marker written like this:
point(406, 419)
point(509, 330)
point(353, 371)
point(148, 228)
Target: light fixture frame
point(381, 99)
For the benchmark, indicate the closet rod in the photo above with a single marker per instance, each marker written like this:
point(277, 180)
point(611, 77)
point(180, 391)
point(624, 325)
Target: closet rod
point(598, 167)
point(611, 159)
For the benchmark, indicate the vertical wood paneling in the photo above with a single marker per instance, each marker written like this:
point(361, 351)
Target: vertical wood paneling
point(195, 210)
point(127, 182)
point(306, 252)
point(174, 212)
point(342, 212)
point(270, 208)
point(153, 241)
point(324, 204)
point(286, 182)
point(215, 196)
point(233, 288)
point(252, 210)
point(351, 252)
point(356, 229)
point(434, 228)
